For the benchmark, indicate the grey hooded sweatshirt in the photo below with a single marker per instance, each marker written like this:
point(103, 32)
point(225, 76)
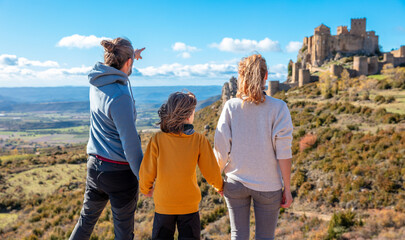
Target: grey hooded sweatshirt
point(113, 133)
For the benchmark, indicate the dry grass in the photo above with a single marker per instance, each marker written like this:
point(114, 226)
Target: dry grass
point(7, 219)
point(45, 180)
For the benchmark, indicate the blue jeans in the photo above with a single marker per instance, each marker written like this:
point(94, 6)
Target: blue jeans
point(108, 181)
point(266, 206)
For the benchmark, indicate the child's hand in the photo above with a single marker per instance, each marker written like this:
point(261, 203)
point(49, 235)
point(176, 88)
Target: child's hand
point(221, 193)
point(150, 193)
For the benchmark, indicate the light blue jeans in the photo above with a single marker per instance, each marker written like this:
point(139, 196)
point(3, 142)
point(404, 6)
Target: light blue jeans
point(266, 206)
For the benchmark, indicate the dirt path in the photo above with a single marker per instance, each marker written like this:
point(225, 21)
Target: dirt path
point(324, 217)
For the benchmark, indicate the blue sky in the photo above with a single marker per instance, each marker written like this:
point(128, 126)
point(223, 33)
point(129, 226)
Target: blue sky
point(48, 43)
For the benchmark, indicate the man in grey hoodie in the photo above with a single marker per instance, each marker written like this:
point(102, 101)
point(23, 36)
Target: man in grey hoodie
point(114, 146)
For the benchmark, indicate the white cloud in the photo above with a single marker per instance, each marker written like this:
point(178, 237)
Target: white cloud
point(198, 70)
point(184, 49)
point(185, 55)
point(20, 71)
point(80, 41)
point(53, 73)
point(13, 60)
point(246, 45)
point(12, 72)
point(293, 46)
point(278, 72)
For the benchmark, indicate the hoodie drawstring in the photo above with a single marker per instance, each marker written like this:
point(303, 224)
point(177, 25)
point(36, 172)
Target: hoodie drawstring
point(130, 90)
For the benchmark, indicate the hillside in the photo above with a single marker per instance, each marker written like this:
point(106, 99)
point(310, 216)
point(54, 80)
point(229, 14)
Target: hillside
point(349, 155)
point(347, 180)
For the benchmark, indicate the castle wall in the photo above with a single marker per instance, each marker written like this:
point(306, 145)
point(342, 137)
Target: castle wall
point(304, 77)
point(372, 65)
point(399, 52)
point(388, 58)
point(360, 64)
point(310, 42)
point(284, 87)
point(399, 61)
point(352, 44)
point(370, 43)
point(342, 30)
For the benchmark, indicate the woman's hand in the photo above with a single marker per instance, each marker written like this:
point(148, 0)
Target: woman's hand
point(150, 193)
point(287, 199)
point(137, 54)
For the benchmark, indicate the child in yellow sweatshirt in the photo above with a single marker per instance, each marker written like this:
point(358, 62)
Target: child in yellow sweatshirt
point(168, 169)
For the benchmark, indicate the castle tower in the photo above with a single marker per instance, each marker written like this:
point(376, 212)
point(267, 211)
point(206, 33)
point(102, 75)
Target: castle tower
point(360, 64)
point(342, 30)
point(303, 77)
point(295, 68)
point(372, 65)
point(336, 70)
point(305, 41)
point(358, 26)
point(402, 51)
point(321, 45)
point(388, 58)
point(273, 88)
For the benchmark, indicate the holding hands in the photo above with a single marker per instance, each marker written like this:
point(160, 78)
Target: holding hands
point(150, 193)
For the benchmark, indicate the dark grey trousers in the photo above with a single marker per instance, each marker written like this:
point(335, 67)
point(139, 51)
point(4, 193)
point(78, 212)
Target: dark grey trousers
point(108, 181)
point(266, 207)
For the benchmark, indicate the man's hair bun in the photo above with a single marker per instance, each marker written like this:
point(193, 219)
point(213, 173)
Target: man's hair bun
point(108, 46)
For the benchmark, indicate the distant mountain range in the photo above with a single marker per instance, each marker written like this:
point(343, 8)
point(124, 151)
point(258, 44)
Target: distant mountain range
point(75, 99)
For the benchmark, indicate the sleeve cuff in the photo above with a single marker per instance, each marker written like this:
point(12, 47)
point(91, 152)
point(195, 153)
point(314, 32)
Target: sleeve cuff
point(283, 151)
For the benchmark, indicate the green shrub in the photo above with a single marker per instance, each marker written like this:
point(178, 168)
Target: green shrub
point(340, 223)
point(390, 99)
point(379, 99)
point(352, 127)
point(213, 216)
point(298, 178)
point(365, 97)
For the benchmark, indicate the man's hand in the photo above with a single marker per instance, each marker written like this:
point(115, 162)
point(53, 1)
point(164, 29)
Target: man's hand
point(137, 54)
point(287, 199)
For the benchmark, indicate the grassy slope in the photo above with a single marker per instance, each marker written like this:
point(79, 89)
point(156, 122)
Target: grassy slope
point(352, 165)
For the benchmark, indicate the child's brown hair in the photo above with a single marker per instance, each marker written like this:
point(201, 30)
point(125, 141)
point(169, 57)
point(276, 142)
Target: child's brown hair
point(178, 108)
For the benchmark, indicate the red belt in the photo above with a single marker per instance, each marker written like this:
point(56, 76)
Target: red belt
point(110, 161)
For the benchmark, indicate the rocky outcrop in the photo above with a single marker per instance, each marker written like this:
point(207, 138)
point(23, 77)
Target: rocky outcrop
point(229, 90)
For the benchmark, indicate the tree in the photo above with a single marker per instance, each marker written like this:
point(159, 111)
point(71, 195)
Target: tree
point(326, 82)
point(290, 63)
point(344, 80)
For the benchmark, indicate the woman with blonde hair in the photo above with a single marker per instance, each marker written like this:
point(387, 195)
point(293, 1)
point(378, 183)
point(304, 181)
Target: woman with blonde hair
point(253, 148)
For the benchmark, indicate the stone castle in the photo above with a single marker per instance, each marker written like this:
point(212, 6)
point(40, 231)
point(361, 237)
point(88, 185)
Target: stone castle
point(323, 47)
